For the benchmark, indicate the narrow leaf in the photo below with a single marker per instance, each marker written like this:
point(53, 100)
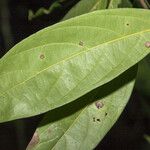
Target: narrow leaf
point(96, 19)
point(65, 123)
point(147, 137)
point(83, 123)
point(42, 11)
point(49, 137)
point(119, 4)
point(69, 63)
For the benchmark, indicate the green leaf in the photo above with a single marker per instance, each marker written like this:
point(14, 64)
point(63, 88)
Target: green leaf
point(65, 119)
point(143, 82)
point(61, 63)
point(147, 137)
point(41, 11)
point(83, 123)
point(45, 11)
point(44, 36)
point(119, 4)
point(85, 6)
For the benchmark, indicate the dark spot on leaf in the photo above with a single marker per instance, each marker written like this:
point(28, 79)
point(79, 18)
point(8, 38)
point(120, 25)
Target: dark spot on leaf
point(93, 119)
point(99, 104)
point(34, 141)
point(106, 114)
point(127, 24)
point(147, 44)
point(42, 56)
point(81, 43)
point(98, 120)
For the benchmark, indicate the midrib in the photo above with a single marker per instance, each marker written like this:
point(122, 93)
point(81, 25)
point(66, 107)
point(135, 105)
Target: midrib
point(75, 55)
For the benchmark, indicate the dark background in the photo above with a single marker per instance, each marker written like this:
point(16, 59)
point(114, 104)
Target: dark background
point(127, 134)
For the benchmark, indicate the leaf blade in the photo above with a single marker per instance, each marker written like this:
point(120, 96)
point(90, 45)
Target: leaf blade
point(47, 122)
point(110, 58)
point(83, 120)
point(45, 34)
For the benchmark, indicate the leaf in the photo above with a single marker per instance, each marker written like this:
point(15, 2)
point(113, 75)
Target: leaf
point(85, 6)
point(64, 118)
point(49, 137)
point(83, 123)
point(119, 4)
point(41, 11)
point(147, 137)
point(44, 36)
point(67, 63)
point(143, 77)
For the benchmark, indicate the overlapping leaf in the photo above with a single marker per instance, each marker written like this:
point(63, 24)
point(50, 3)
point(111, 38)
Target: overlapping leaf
point(83, 123)
point(119, 4)
point(123, 16)
point(68, 61)
point(85, 6)
point(55, 127)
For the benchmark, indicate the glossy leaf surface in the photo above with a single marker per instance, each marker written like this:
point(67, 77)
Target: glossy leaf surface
point(52, 131)
point(68, 62)
point(123, 16)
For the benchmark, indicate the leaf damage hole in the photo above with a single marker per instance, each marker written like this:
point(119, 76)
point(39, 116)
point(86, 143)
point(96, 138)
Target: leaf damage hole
point(34, 141)
point(98, 120)
point(127, 24)
point(94, 119)
point(99, 104)
point(81, 43)
point(42, 56)
point(147, 44)
point(106, 113)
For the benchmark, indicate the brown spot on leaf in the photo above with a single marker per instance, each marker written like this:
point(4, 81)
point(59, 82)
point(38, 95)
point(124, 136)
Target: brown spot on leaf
point(81, 43)
point(147, 44)
point(99, 104)
point(42, 56)
point(34, 141)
